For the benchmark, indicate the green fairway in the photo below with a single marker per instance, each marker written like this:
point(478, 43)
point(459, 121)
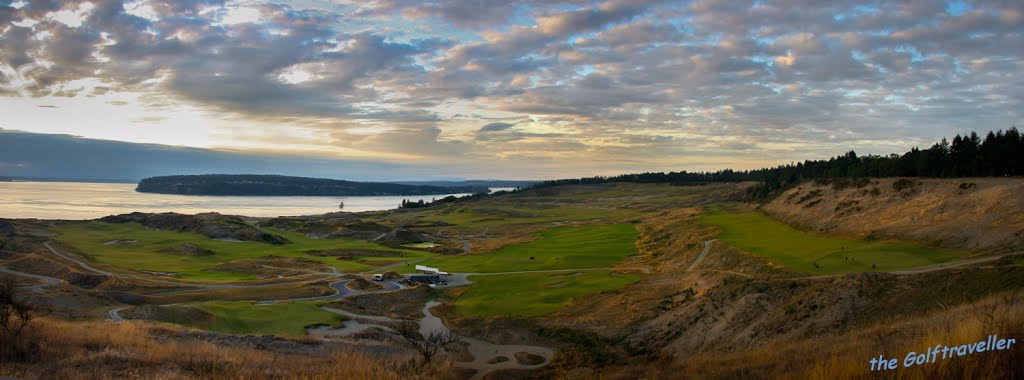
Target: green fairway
point(479, 216)
point(759, 234)
point(558, 248)
point(143, 250)
point(533, 294)
point(243, 317)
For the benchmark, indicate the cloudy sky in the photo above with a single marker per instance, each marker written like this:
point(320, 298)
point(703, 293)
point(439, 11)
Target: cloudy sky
point(516, 88)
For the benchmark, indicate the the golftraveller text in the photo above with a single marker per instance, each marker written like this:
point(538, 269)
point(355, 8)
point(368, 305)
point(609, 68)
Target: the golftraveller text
point(940, 352)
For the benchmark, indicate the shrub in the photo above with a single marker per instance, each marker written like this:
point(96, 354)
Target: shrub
point(16, 317)
point(905, 184)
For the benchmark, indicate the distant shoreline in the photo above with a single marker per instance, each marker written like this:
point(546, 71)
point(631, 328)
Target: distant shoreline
point(65, 180)
point(278, 185)
point(86, 201)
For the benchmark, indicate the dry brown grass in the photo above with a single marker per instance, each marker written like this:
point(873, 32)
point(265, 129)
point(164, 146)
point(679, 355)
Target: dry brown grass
point(111, 350)
point(988, 215)
point(847, 356)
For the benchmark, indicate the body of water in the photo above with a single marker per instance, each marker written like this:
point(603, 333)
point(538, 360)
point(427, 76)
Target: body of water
point(76, 200)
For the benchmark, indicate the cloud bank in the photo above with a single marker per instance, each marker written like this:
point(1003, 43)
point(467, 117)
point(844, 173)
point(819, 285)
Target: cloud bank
point(540, 89)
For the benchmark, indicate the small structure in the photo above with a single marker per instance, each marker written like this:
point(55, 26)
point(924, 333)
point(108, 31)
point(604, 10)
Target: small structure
point(429, 279)
point(430, 276)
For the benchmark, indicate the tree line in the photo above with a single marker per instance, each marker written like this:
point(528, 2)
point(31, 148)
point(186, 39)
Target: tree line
point(999, 153)
point(277, 185)
point(406, 204)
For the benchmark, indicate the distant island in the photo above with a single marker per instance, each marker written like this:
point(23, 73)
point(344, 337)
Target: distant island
point(278, 185)
point(6, 179)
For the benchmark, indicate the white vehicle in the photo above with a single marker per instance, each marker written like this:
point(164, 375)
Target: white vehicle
point(378, 277)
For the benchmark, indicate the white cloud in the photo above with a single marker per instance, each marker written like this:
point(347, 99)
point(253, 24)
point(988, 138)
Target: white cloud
point(606, 85)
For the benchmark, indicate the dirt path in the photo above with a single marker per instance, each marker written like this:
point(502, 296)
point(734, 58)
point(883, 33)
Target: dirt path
point(924, 269)
point(355, 324)
point(79, 262)
point(487, 357)
point(114, 314)
point(707, 246)
point(38, 288)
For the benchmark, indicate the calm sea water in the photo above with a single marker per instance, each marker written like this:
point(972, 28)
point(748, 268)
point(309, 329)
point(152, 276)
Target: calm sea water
point(74, 200)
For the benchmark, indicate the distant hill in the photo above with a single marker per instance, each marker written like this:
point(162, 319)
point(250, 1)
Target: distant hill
point(486, 183)
point(277, 185)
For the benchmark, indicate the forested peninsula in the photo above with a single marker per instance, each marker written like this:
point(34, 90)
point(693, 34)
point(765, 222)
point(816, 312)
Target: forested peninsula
point(277, 185)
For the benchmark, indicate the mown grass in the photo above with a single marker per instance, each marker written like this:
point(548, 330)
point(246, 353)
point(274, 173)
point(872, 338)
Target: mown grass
point(288, 319)
point(487, 216)
point(534, 294)
point(759, 234)
point(145, 252)
point(557, 248)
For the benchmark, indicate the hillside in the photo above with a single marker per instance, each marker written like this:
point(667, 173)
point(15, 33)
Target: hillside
point(618, 280)
point(965, 213)
point(276, 185)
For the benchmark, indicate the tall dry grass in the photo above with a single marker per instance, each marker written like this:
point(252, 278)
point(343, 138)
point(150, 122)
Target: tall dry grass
point(133, 349)
point(846, 356)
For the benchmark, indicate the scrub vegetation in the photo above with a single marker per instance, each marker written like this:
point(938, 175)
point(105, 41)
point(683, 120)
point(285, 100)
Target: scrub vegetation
point(105, 349)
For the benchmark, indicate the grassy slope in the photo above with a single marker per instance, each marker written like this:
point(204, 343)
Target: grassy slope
point(532, 295)
point(756, 233)
point(558, 248)
point(498, 215)
point(144, 254)
point(244, 317)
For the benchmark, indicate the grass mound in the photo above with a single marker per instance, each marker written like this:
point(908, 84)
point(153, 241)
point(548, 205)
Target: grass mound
point(177, 314)
point(267, 266)
point(187, 249)
point(364, 285)
point(406, 303)
point(350, 253)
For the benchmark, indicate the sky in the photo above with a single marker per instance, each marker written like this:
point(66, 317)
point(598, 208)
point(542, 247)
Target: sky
point(515, 89)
